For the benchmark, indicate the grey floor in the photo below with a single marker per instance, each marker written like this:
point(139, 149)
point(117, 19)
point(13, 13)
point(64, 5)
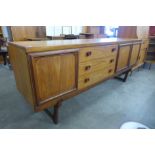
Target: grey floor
point(105, 106)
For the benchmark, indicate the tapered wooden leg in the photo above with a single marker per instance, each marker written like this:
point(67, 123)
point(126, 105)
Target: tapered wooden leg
point(4, 58)
point(55, 114)
point(125, 77)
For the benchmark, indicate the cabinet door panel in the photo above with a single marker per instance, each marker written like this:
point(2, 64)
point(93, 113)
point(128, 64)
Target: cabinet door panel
point(68, 70)
point(123, 57)
point(134, 54)
point(142, 56)
point(54, 75)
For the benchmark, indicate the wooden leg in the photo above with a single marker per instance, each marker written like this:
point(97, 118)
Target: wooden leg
point(9, 64)
point(4, 58)
point(144, 65)
point(150, 66)
point(55, 115)
point(125, 76)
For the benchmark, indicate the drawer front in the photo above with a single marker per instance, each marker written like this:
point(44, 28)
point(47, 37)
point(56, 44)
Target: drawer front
point(91, 53)
point(95, 65)
point(92, 78)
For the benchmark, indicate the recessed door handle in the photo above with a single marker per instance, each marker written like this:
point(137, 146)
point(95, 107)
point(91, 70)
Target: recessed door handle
point(113, 49)
point(112, 60)
point(87, 68)
point(110, 70)
point(86, 80)
point(88, 53)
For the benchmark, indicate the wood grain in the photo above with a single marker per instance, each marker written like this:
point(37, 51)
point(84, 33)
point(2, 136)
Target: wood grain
point(97, 52)
point(94, 77)
point(52, 45)
point(95, 65)
point(20, 33)
point(19, 62)
point(123, 58)
point(142, 54)
point(127, 32)
point(54, 75)
point(134, 54)
point(49, 71)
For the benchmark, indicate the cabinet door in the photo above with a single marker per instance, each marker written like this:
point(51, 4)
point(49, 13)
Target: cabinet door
point(54, 75)
point(134, 54)
point(142, 56)
point(123, 57)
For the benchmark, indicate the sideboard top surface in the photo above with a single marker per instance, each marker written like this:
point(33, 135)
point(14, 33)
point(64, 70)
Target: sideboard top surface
point(51, 45)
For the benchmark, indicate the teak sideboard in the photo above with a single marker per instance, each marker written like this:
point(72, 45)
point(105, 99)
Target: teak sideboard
point(48, 72)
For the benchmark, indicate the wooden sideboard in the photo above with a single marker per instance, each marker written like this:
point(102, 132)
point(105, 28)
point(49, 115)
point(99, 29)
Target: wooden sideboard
point(48, 72)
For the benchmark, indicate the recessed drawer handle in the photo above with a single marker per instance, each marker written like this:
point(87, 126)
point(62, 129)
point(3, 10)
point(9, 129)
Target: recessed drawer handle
point(86, 80)
point(113, 49)
point(88, 53)
point(87, 68)
point(110, 70)
point(112, 60)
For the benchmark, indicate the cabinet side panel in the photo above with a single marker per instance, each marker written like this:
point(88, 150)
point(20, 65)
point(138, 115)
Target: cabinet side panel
point(19, 62)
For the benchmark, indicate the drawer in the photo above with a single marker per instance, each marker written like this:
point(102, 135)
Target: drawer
point(92, 78)
point(90, 53)
point(95, 65)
